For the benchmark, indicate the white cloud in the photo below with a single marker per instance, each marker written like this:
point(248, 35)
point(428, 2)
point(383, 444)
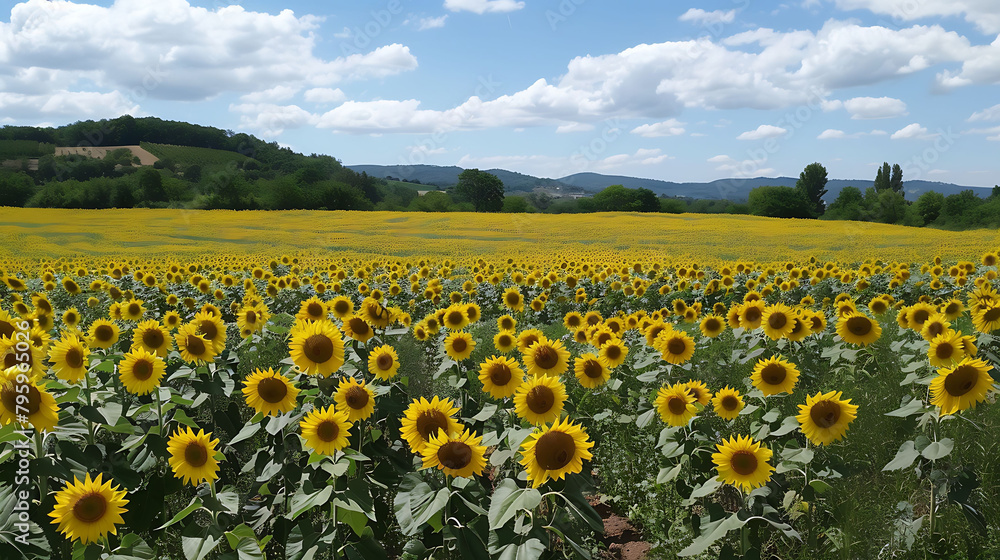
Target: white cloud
point(270, 120)
point(574, 127)
point(831, 133)
point(557, 166)
point(763, 131)
point(272, 95)
point(63, 104)
point(324, 95)
point(432, 23)
point(831, 105)
point(984, 14)
point(344, 33)
point(992, 133)
point(744, 168)
point(483, 6)
point(171, 50)
point(702, 17)
point(875, 107)
point(670, 127)
point(912, 131)
point(990, 114)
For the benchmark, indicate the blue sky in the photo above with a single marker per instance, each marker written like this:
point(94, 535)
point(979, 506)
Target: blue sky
point(666, 90)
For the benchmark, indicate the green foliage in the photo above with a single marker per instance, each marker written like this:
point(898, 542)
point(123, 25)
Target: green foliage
point(516, 205)
point(484, 190)
point(15, 188)
point(812, 183)
point(780, 202)
point(672, 206)
point(929, 206)
point(18, 149)
point(617, 198)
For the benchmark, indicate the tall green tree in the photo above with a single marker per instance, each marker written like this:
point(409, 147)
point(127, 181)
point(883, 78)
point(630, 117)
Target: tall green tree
point(812, 183)
point(929, 206)
point(779, 202)
point(882, 179)
point(896, 181)
point(484, 190)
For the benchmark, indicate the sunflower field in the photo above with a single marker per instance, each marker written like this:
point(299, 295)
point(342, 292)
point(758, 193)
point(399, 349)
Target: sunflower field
point(240, 402)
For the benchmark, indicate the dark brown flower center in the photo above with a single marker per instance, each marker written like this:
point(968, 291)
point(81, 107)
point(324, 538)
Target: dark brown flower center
point(251, 317)
point(500, 374)
point(825, 413)
point(90, 508)
point(318, 348)
point(992, 314)
point(9, 398)
point(455, 455)
point(359, 326)
point(134, 309)
point(573, 321)
point(357, 397)
point(74, 358)
point(153, 338)
point(506, 324)
point(752, 314)
point(513, 299)
point(713, 325)
point(677, 406)
point(104, 333)
point(142, 370)
point(208, 329)
point(859, 326)
point(540, 399)
point(384, 362)
point(272, 390)
point(342, 307)
point(459, 345)
point(429, 422)
point(676, 346)
point(730, 402)
point(195, 345)
point(455, 318)
point(554, 450)
point(777, 320)
point(195, 454)
point(328, 430)
point(944, 350)
point(773, 374)
point(6, 329)
point(593, 369)
point(744, 462)
point(921, 315)
point(613, 352)
point(961, 380)
point(545, 357)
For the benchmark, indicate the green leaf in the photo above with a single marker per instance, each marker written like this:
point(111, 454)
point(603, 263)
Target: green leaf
point(531, 549)
point(666, 475)
point(486, 413)
point(183, 418)
point(508, 499)
point(247, 432)
point(904, 457)
point(197, 548)
point(416, 504)
point(645, 418)
point(711, 532)
point(915, 406)
point(302, 503)
point(788, 425)
point(355, 519)
point(192, 507)
point(802, 456)
point(820, 486)
point(939, 449)
point(706, 489)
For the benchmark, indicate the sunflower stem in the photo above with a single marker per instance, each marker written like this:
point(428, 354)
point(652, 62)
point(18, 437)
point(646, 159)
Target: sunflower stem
point(90, 423)
point(40, 451)
point(159, 413)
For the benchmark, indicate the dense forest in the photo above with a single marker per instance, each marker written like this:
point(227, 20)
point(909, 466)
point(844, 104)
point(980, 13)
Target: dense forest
point(209, 168)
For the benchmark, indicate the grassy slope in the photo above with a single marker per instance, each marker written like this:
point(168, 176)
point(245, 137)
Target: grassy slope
point(209, 159)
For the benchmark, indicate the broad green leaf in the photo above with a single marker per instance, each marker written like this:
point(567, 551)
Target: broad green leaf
point(192, 507)
point(904, 457)
point(508, 499)
point(247, 432)
point(939, 449)
point(302, 503)
point(711, 533)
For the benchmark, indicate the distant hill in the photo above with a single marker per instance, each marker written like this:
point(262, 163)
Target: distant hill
point(731, 189)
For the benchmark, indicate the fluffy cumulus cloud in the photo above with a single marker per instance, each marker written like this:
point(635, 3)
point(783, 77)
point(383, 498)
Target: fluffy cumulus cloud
point(483, 6)
point(324, 96)
point(912, 131)
point(760, 69)
point(984, 14)
point(990, 114)
point(172, 50)
point(431, 23)
point(763, 132)
point(669, 127)
point(61, 105)
point(732, 167)
point(702, 17)
point(836, 134)
point(875, 107)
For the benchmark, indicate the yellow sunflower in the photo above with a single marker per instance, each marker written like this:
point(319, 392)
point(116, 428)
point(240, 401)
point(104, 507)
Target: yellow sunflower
point(946, 348)
point(675, 346)
point(422, 420)
point(41, 409)
point(963, 386)
point(573, 321)
point(192, 346)
point(591, 371)
point(702, 395)
point(192, 456)
point(528, 337)
point(856, 328)
point(675, 404)
point(500, 376)
point(103, 334)
point(326, 430)
point(133, 310)
point(504, 342)
point(341, 306)
point(383, 362)
point(743, 462)
point(613, 353)
point(374, 313)
point(317, 348)
point(88, 510)
point(355, 398)
point(546, 357)
point(252, 318)
point(69, 358)
point(712, 326)
point(457, 455)
point(727, 403)
point(555, 451)
point(141, 371)
point(540, 399)
point(751, 314)
point(454, 318)
point(513, 300)
point(774, 375)
point(987, 318)
point(355, 327)
point(152, 337)
point(825, 417)
point(459, 345)
point(506, 323)
point(269, 392)
point(212, 329)
point(777, 321)
point(312, 309)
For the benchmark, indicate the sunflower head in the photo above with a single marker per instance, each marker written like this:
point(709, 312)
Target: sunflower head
point(383, 362)
point(546, 357)
point(355, 398)
point(70, 358)
point(500, 376)
point(676, 347)
point(141, 371)
point(825, 417)
point(41, 409)
point(459, 345)
point(152, 337)
point(743, 462)
point(269, 392)
point(774, 375)
point(613, 352)
point(317, 348)
point(591, 371)
point(727, 403)
point(675, 404)
point(961, 387)
point(326, 430)
point(89, 509)
point(194, 348)
point(460, 454)
point(555, 451)
point(423, 419)
point(540, 399)
point(192, 456)
point(856, 328)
